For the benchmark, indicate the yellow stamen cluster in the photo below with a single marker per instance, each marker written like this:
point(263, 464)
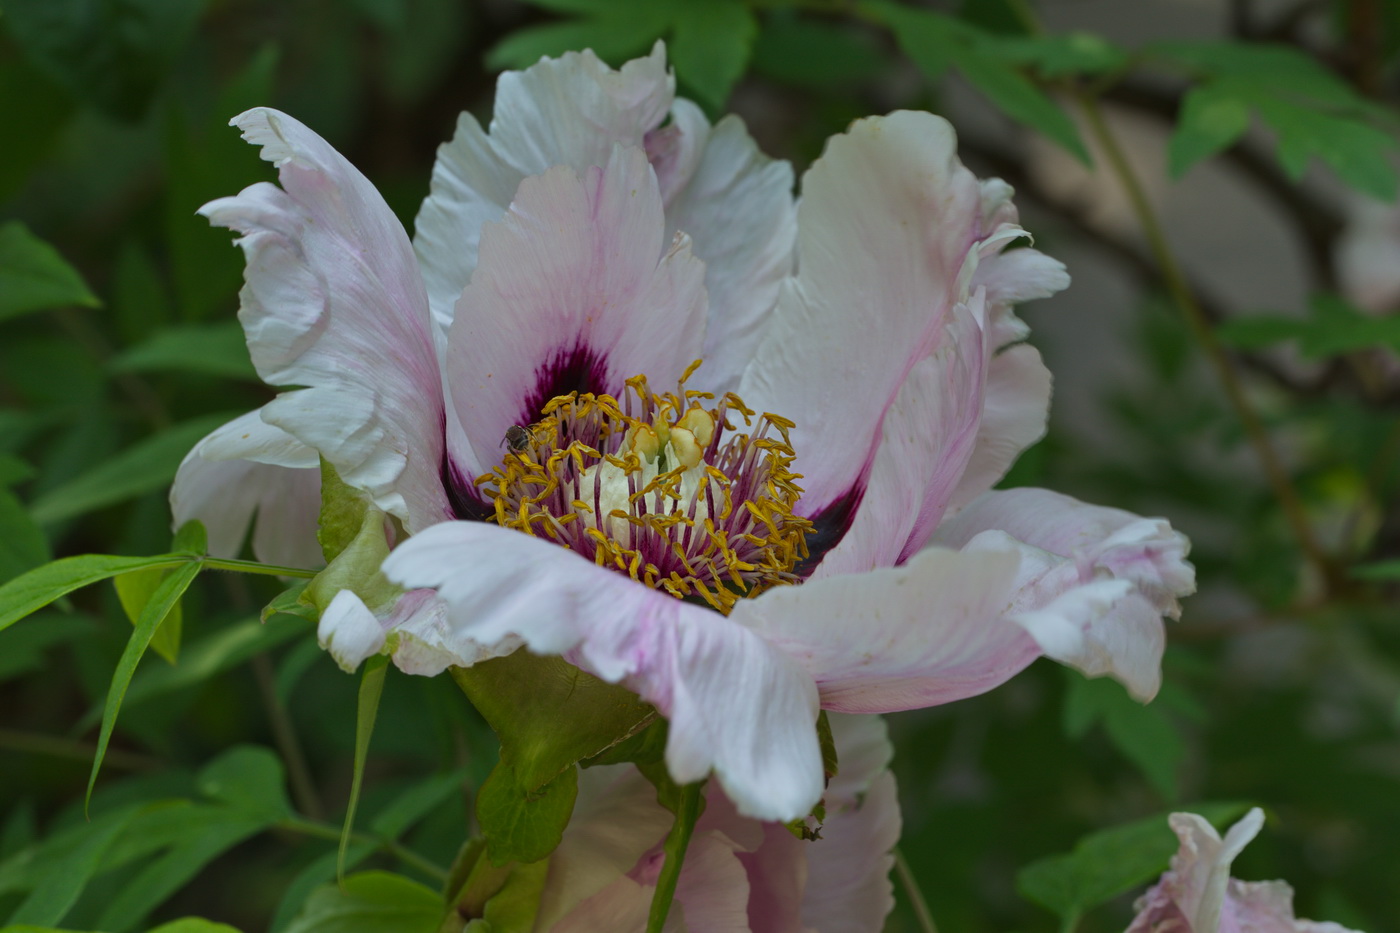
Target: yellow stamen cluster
point(660, 488)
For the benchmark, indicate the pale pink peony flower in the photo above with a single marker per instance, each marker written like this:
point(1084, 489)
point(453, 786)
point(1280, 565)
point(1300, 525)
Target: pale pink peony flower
point(1197, 895)
point(585, 241)
point(739, 875)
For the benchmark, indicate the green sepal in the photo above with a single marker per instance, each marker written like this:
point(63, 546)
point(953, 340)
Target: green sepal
point(289, 602)
point(520, 824)
point(548, 714)
point(343, 509)
point(828, 747)
point(490, 898)
point(356, 568)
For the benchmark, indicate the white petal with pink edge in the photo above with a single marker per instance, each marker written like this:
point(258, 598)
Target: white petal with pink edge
point(413, 629)
point(566, 111)
point(736, 706)
point(333, 301)
point(887, 219)
point(736, 205)
point(578, 283)
point(1070, 547)
point(249, 470)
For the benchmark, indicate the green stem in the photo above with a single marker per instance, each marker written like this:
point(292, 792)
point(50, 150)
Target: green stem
point(687, 812)
point(1175, 280)
point(317, 830)
point(284, 733)
point(252, 566)
point(911, 891)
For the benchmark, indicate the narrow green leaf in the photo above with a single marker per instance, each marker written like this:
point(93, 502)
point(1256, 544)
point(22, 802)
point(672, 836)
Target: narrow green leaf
point(1211, 120)
point(520, 824)
point(366, 710)
point(203, 349)
point(813, 53)
point(371, 902)
point(549, 714)
point(319, 872)
point(145, 467)
point(58, 889)
point(194, 925)
point(33, 276)
point(289, 602)
point(22, 546)
point(677, 841)
point(165, 596)
point(25, 645)
point(134, 591)
point(42, 585)
point(1380, 570)
point(1021, 100)
point(415, 803)
point(711, 46)
point(1107, 863)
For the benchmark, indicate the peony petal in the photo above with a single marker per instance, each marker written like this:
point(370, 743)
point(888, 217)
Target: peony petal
point(414, 629)
point(333, 301)
point(932, 631)
point(578, 288)
point(248, 469)
point(928, 437)
point(736, 205)
point(567, 111)
point(615, 822)
point(887, 220)
point(863, 752)
point(736, 706)
point(1079, 546)
point(714, 887)
point(848, 869)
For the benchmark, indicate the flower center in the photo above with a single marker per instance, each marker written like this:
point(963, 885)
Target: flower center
point(660, 488)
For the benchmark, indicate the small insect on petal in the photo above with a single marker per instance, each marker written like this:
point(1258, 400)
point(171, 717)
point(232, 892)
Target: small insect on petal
point(517, 437)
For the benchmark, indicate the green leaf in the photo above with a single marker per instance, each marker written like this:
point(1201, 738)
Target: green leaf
point(1359, 153)
point(1334, 327)
point(356, 568)
point(415, 803)
point(61, 885)
point(144, 467)
point(112, 53)
point(289, 602)
point(165, 597)
point(1143, 733)
point(204, 349)
point(371, 902)
point(1280, 68)
point(1060, 55)
point(817, 54)
point(1258, 331)
point(248, 779)
point(549, 714)
point(134, 590)
point(711, 46)
point(1211, 121)
point(24, 647)
point(522, 824)
point(22, 546)
point(194, 925)
point(366, 710)
point(1107, 863)
point(1380, 570)
point(934, 41)
point(33, 276)
point(39, 587)
point(615, 39)
point(30, 100)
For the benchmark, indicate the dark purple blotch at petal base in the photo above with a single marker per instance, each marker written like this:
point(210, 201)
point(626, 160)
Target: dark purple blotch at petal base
point(829, 527)
point(576, 369)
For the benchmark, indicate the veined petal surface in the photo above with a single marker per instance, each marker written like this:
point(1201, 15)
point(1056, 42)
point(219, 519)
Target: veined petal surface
point(250, 470)
point(578, 289)
point(333, 301)
point(736, 706)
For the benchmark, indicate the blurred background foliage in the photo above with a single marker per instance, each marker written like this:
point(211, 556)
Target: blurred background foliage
point(119, 348)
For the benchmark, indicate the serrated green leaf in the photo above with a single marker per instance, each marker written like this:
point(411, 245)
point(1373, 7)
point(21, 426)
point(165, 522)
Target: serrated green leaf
point(204, 349)
point(166, 595)
point(1211, 120)
point(711, 45)
point(371, 902)
point(1109, 862)
point(549, 714)
point(144, 467)
point(1258, 331)
point(134, 591)
point(366, 711)
point(34, 277)
point(1359, 153)
point(522, 824)
point(34, 590)
point(1278, 67)
point(1059, 55)
point(112, 53)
